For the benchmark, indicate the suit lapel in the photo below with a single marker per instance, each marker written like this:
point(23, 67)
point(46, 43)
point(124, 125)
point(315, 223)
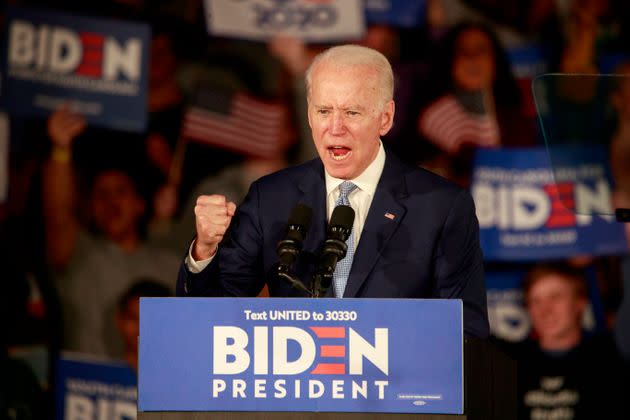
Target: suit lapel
point(386, 212)
point(313, 188)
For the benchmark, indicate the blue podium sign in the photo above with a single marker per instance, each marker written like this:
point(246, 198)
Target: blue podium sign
point(335, 355)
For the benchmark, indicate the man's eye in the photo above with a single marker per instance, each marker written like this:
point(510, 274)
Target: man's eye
point(323, 111)
point(352, 113)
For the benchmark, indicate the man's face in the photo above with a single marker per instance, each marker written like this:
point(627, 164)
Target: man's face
point(347, 118)
point(116, 206)
point(554, 307)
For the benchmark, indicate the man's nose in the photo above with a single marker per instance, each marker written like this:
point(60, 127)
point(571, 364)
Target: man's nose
point(546, 307)
point(337, 124)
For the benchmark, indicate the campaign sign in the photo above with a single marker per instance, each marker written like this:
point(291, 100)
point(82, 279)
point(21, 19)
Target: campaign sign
point(508, 315)
point(310, 20)
point(527, 62)
point(94, 389)
point(335, 355)
point(406, 14)
point(99, 66)
point(526, 213)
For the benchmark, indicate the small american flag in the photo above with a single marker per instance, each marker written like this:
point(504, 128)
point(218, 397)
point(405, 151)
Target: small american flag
point(390, 216)
point(238, 122)
point(449, 125)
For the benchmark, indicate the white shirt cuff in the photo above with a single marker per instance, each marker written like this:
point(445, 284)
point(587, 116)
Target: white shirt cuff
point(196, 266)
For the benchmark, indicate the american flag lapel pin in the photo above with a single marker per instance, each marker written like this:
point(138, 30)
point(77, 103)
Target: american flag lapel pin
point(390, 216)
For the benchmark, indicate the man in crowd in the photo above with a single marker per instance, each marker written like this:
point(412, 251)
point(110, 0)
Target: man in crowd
point(414, 235)
point(128, 314)
point(564, 374)
point(95, 261)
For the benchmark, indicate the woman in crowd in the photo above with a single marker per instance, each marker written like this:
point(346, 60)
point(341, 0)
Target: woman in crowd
point(472, 101)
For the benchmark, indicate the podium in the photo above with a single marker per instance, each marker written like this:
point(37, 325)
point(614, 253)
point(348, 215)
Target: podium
point(224, 358)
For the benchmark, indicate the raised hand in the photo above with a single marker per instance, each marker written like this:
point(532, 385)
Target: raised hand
point(213, 214)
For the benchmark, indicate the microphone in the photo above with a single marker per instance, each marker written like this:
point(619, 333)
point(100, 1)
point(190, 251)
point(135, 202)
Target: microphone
point(334, 248)
point(290, 247)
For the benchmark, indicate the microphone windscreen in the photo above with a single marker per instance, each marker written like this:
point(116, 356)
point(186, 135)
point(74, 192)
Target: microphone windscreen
point(301, 216)
point(342, 216)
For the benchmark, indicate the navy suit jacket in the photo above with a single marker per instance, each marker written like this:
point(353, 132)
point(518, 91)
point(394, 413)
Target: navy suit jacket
point(428, 249)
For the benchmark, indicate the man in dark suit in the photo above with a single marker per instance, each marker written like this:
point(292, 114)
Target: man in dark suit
point(415, 235)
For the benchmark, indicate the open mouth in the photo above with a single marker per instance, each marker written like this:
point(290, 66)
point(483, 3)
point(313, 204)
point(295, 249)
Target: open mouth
point(339, 153)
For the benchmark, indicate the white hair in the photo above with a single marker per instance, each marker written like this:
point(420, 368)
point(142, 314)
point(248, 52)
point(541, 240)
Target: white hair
point(356, 55)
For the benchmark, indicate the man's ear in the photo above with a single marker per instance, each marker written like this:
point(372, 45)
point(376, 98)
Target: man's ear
point(387, 117)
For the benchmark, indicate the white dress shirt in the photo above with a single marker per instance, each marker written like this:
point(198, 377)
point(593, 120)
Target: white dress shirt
point(360, 200)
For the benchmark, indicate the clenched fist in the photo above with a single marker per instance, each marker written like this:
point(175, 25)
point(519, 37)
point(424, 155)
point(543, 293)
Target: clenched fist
point(213, 214)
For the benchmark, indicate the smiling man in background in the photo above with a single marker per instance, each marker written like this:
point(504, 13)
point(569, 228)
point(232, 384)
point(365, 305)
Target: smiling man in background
point(562, 371)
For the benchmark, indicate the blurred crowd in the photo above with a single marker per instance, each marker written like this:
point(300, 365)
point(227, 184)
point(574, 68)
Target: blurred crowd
point(96, 218)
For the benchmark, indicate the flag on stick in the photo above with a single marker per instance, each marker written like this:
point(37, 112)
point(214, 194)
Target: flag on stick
point(238, 122)
point(450, 126)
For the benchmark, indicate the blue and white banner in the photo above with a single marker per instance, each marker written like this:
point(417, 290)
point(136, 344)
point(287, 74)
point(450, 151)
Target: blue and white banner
point(335, 355)
point(98, 66)
point(406, 14)
point(93, 389)
point(310, 20)
point(528, 62)
point(527, 211)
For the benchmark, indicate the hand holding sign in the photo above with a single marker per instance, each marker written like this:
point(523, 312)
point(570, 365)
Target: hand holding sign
point(291, 51)
point(100, 64)
point(64, 126)
point(213, 214)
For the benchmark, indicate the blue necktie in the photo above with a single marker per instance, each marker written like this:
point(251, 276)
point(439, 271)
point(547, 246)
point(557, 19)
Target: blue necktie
point(342, 271)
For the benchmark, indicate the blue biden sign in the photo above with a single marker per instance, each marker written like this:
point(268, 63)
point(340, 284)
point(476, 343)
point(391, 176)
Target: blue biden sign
point(345, 355)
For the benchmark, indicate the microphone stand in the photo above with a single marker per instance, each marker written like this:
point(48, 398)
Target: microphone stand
point(284, 274)
point(319, 278)
point(289, 248)
point(333, 250)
